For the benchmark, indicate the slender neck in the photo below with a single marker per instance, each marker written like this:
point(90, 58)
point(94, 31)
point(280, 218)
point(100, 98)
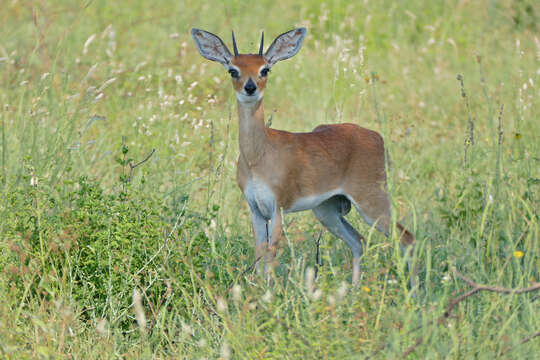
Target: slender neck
point(252, 135)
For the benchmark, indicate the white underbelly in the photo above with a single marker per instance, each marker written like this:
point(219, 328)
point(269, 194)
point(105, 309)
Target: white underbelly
point(312, 201)
point(260, 196)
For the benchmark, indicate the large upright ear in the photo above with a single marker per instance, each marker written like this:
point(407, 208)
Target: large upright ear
point(285, 46)
point(211, 46)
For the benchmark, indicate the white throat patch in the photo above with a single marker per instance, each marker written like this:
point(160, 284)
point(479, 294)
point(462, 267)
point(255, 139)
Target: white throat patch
point(243, 98)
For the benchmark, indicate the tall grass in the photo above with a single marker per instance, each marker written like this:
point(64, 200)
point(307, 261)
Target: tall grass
point(99, 261)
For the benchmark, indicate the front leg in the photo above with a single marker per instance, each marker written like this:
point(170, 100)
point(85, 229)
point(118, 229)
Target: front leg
point(275, 235)
point(260, 232)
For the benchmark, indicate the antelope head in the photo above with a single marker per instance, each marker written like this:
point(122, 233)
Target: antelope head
point(249, 72)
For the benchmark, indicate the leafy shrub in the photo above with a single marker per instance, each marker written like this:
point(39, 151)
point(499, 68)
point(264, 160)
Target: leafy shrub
point(94, 246)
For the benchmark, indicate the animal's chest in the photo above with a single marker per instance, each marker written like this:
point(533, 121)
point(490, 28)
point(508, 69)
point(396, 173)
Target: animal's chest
point(260, 197)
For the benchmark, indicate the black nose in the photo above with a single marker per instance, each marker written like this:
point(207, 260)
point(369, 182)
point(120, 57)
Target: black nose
point(250, 87)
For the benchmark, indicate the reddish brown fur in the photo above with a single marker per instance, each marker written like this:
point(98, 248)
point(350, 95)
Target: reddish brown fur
point(249, 65)
point(297, 165)
point(321, 170)
point(331, 158)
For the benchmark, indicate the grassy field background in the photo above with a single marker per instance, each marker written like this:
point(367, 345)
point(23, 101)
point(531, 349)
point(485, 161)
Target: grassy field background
point(102, 260)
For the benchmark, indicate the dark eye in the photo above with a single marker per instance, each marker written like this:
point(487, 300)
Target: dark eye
point(234, 73)
point(264, 72)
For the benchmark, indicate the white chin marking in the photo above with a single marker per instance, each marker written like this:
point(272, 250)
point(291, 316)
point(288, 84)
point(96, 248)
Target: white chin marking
point(243, 98)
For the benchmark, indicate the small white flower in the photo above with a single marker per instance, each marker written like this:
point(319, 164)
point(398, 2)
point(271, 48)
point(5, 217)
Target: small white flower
point(34, 181)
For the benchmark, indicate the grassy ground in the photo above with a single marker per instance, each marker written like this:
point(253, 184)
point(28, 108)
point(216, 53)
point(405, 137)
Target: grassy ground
point(99, 260)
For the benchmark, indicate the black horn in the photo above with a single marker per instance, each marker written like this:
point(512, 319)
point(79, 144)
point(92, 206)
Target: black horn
point(234, 45)
point(262, 44)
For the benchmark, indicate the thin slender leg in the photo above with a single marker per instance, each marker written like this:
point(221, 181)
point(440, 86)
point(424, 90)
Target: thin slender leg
point(330, 214)
point(260, 230)
point(375, 208)
point(274, 235)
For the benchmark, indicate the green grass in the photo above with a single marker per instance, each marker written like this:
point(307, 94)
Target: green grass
point(86, 88)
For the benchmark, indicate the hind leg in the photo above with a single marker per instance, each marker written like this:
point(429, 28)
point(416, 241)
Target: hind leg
point(330, 213)
point(374, 206)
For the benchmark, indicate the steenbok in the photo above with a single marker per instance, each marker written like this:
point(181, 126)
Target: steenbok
point(324, 170)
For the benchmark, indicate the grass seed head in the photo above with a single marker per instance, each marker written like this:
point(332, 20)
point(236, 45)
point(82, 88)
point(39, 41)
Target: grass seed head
point(139, 311)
